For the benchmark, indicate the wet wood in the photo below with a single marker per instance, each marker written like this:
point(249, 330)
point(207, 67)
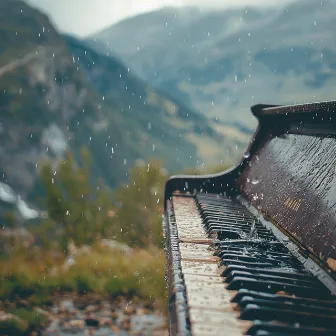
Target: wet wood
point(292, 179)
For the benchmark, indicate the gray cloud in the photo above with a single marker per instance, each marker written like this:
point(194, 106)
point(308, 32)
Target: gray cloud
point(82, 17)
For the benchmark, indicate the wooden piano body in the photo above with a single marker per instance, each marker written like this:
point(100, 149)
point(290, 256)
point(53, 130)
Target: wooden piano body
point(286, 185)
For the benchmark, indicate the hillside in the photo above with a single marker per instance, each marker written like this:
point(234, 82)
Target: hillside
point(165, 124)
point(221, 62)
point(58, 94)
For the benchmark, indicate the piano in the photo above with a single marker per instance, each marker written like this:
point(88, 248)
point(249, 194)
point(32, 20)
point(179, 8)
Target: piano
point(252, 250)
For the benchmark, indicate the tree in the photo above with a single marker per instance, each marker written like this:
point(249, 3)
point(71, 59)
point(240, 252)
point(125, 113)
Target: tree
point(139, 215)
point(78, 210)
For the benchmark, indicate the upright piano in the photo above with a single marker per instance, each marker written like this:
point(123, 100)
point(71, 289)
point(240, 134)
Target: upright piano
point(252, 250)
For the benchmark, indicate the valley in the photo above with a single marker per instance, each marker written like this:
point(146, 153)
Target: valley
point(221, 62)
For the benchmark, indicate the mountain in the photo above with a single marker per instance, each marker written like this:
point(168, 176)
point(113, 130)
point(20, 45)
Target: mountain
point(56, 93)
point(222, 62)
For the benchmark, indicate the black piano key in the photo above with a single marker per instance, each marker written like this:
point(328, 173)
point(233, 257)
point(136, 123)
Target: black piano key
point(266, 277)
point(288, 305)
point(272, 271)
point(260, 259)
point(221, 203)
point(246, 242)
point(259, 254)
point(226, 215)
point(241, 225)
point(225, 262)
point(328, 302)
point(267, 333)
point(221, 231)
point(256, 312)
point(276, 286)
point(230, 219)
point(229, 234)
point(236, 234)
point(237, 249)
point(290, 330)
point(217, 218)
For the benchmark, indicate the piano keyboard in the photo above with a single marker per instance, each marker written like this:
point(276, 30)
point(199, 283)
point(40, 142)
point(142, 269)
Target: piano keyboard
point(233, 277)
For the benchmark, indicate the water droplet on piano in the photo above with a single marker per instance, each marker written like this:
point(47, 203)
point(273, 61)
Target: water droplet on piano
point(255, 181)
point(246, 155)
point(285, 240)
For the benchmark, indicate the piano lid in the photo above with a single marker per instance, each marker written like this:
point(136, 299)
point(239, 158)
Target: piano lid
point(291, 176)
point(288, 172)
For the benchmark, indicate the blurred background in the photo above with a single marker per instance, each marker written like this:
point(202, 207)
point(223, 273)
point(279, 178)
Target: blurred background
point(100, 102)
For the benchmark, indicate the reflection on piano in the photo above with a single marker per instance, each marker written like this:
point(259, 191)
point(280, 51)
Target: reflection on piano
point(252, 251)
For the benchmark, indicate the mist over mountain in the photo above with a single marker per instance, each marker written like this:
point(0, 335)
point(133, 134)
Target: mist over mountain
point(59, 94)
point(222, 62)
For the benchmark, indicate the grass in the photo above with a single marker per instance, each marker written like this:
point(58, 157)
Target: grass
point(34, 277)
point(101, 271)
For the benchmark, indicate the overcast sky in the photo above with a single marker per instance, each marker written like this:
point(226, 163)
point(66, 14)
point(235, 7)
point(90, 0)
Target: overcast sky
point(83, 17)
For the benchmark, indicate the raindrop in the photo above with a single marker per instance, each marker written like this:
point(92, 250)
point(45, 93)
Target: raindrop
point(255, 181)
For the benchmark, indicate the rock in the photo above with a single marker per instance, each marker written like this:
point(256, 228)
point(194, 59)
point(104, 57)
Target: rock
point(125, 324)
point(80, 324)
point(105, 321)
point(92, 331)
point(141, 311)
point(115, 315)
point(91, 308)
point(65, 325)
point(114, 328)
point(160, 332)
point(106, 313)
point(106, 305)
point(92, 322)
point(129, 310)
point(44, 313)
point(22, 303)
point(66, 306)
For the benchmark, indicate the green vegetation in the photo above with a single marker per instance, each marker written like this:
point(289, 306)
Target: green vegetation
point(34, 276)
point(95, 102)
point(81, 212)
